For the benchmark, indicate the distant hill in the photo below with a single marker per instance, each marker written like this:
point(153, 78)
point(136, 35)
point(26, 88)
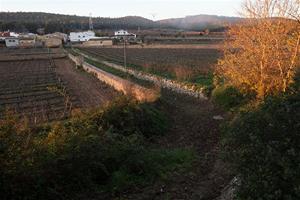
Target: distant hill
point(31, 21)
point(198, 22)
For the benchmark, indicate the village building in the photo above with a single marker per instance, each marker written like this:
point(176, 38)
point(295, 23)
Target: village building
point(81, 36)
point(122, 34)
point(5, 34)
point(27, 41)
point(12, 42)
point(13, 34)
point(54, 39)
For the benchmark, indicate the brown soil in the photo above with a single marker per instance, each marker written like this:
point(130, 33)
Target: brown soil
point(30, 54)
point(89, 91)
point(34, 88)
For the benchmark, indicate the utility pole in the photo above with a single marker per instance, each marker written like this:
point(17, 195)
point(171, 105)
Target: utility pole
point(125, 59)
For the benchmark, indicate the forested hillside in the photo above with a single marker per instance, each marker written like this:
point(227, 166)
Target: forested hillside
point(31, 21)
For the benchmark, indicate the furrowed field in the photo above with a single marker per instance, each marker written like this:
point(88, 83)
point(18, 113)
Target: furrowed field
point(191, 65)
point(43, 86)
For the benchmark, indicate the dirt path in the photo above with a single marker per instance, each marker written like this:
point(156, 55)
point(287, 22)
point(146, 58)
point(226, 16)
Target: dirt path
point(192, 126)
point(88, 90)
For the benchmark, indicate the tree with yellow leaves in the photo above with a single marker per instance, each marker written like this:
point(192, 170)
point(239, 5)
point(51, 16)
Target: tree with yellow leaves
point(261, 54)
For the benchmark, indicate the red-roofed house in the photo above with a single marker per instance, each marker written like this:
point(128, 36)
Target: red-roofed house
point(5, 34)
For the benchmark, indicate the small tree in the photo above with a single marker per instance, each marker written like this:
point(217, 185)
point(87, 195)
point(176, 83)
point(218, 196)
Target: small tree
point(261, 53)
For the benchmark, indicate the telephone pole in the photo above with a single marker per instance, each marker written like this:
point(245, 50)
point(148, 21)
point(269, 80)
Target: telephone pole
point(125, 59)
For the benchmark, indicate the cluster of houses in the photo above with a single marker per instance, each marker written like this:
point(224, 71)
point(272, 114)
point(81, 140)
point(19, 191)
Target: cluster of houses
point(86, 38)
point(30, 40)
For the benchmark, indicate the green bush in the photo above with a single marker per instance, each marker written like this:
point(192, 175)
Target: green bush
point(127, 118)
point(263, 146)
point(227, 97)
point(99, 151)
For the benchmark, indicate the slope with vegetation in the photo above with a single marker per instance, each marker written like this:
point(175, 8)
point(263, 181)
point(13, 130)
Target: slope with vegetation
point(101, 152)
point(258, 81)
point(31, 21)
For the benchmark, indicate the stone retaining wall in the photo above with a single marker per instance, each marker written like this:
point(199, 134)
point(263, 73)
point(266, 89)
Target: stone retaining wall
point(128, 88)
point(162, 82)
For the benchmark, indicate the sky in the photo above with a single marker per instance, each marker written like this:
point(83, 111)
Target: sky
point(151, 9)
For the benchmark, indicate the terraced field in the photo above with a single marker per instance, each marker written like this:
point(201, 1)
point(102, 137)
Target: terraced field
point(46, 89)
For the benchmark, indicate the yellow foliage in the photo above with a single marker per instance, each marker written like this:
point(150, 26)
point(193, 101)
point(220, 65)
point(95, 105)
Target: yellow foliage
point(261, 54)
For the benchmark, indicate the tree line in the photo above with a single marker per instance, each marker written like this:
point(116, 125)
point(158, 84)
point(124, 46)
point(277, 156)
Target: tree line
point(31, 21)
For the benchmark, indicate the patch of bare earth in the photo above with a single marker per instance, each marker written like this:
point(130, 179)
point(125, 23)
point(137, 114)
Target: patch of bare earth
point(89, 91)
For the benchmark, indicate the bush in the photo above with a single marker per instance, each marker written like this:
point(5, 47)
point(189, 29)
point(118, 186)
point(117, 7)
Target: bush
point(263, 146)
point(127, 118)
point(99, 151)
point(227, 97)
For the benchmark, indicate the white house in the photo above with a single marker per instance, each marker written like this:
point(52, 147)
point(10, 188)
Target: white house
point(13, 34)
point(122, 33)
point(12, 42)
point(81, 36)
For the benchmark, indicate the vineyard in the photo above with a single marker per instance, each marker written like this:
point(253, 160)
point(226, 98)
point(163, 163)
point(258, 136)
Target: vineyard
point(39, 91)
point(32, 88)
point(180, 64)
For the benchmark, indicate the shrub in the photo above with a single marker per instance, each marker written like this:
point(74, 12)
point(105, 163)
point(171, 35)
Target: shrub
point(263, 146)
point(183, 73)
point(227, 97)
point(102, 150)
point(125, 118)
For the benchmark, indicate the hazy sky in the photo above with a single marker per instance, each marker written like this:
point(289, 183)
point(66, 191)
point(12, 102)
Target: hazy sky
point(118, 8)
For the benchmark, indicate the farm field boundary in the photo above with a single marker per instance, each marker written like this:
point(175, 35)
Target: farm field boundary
point(171, 46)
point(9, 58)
point(31, 89)
point(127, 87)
point(162, 82)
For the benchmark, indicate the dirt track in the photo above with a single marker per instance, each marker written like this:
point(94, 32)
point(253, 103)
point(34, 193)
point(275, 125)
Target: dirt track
point(192, 127)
